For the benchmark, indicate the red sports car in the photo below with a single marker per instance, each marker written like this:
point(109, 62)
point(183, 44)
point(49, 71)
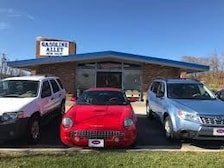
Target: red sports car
point(100, 117)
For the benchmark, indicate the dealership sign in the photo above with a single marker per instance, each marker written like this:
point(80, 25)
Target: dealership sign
point(54, 48)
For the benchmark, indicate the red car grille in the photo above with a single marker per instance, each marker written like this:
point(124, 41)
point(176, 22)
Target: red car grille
point(97, 134)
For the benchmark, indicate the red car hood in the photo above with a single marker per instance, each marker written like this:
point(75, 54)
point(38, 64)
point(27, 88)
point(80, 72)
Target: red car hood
point(99, 116)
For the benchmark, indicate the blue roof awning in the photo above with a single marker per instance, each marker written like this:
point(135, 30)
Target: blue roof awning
point(191, 67)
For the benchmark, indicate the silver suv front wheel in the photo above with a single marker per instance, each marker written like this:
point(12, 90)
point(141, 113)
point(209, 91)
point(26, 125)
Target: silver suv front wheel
point(168, 128)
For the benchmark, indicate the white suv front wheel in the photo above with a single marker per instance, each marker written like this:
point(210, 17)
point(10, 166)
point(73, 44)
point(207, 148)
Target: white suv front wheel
point(33, 129)
point(62, 108)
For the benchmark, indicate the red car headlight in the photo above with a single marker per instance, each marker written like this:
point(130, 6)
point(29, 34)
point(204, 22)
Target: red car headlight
point(67, 122)
point(128, 122)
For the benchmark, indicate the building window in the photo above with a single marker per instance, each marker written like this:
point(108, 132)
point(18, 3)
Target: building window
point(132, 80)
point(85, 78)
point(86, 66)
point(109, 65)
point(132, 66)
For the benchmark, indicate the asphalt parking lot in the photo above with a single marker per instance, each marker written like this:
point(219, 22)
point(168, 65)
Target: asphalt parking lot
point(150, 137)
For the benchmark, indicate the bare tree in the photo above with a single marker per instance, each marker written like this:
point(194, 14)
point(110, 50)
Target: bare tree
point(214, 78)
point(3, 65)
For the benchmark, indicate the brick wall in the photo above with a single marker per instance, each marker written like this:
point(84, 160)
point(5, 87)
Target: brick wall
point(150, 71)
point(65, 71)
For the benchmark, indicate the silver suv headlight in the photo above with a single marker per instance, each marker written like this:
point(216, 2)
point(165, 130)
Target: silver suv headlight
point(11, 116)
point(188, 116)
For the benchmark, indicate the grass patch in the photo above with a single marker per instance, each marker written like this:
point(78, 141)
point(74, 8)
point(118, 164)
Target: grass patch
point(103, 159)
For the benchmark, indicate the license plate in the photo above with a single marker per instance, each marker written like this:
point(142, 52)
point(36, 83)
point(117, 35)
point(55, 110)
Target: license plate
point(99, 143)
point(218, 131)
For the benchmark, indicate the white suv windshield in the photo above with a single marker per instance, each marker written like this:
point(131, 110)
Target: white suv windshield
point(188, 91)
point(18, 88)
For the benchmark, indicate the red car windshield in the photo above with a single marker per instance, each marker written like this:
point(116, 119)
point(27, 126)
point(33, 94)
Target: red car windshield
point(103, 98)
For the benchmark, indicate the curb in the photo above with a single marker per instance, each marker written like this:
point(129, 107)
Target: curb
point(29, 151)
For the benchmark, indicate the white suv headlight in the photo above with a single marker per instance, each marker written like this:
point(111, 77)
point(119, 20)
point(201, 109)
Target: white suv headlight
point(11, 116)
point(188, 116)
point(67, 122)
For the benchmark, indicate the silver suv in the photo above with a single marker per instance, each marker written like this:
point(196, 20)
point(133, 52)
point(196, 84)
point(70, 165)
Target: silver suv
point(186, 108)
point(26, 102)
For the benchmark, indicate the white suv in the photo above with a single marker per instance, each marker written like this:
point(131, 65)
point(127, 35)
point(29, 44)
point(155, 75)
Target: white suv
point(26, 102)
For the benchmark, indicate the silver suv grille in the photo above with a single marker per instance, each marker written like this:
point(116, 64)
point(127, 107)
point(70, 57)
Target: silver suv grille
point(213, 120)
point(97, 134)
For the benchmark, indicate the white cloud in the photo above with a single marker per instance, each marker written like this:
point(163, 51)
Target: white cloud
point(9, 10)
point(9, 15)
point(29, 16)
point(15, 13)
point(3, 26)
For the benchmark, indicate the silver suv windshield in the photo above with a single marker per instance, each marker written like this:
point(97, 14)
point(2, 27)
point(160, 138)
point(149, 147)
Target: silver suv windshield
point(189, 91)
point(18, 88)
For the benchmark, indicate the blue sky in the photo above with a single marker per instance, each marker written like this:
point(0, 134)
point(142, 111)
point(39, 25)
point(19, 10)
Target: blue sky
point(159, 28)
